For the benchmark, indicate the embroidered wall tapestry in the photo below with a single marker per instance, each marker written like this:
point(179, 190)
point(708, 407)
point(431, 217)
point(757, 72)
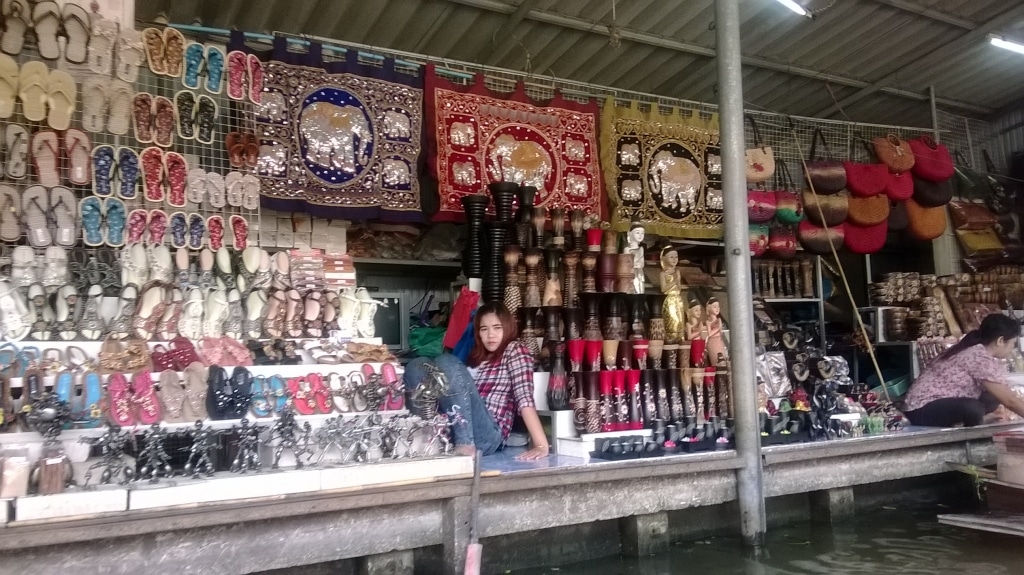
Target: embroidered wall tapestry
point(339, 139)
point(475, 137)
point(665, 170)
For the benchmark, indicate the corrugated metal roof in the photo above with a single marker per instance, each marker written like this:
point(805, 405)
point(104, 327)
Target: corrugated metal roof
point(903, 45)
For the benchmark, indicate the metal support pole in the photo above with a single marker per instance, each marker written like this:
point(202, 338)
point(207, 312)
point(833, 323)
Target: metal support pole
point(750, 487)
point(946, 244)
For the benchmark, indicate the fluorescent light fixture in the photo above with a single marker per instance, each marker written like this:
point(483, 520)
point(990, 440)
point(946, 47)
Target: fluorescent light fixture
point(792, 5)
point(1005, 44)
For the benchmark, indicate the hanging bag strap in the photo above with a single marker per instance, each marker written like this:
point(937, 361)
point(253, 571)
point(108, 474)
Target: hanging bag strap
point(758, 142)
point(819, 135)
point(783, 179)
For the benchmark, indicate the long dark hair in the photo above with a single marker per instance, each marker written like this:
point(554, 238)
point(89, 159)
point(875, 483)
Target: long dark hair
point(479, 353)
point(993, 327)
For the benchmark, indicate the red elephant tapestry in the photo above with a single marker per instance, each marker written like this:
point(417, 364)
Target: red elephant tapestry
point(339, 139)
point(475, 137)
point(663, 169)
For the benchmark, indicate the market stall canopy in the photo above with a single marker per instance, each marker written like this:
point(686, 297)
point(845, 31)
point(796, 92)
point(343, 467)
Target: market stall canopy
point(872, 59)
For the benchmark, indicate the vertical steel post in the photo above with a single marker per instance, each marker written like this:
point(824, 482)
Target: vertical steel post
point(737, 257)
point(946, 244)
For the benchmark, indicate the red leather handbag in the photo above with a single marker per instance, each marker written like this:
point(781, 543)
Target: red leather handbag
point(866, 239)
point(900, 187)
point(866, 180)
point(932, 161)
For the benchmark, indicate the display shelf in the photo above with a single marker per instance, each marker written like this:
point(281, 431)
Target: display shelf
point(791, 300)
point(359, 261)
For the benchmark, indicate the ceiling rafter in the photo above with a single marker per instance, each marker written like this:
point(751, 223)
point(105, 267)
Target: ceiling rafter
point(503, 38)
point(927, 12)
point(936, 57)
point(583, 25)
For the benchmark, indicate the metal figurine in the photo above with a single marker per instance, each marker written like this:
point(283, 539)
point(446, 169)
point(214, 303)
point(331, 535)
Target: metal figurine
point(415, 425)
point(157, 460)
point(428, 392)
point(248, 456)
point(329, 434)
point(441, 432)
point(112, 446)
point(389, 434)
point(286, 431)
point(204, 441)
point(47, 415)
point(358, 437)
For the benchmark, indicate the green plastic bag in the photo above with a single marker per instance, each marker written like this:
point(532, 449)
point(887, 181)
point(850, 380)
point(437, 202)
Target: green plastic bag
point(427, 341)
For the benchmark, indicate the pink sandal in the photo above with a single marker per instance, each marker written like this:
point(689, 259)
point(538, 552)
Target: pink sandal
point(145, 397)
point(321, 394)
point(396, 391)
point(240, 229)
point(152, 160)
point(177, 174)
point(301, 394)
point(237, 74)
point(120, 408)
point(142, 117)
point(215, 227)
point(163, 122)
point(255, 68)
point(157, 227)
point(137, 221)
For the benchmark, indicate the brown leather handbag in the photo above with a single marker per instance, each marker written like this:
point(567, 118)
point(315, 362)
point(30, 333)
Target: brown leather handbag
point(830, 210)
point(868, 211)
point(971, 216)
point(932, 194)
point(925, 223)
point(898, 216)
point(816, 239)
point(894, 152)
point(827, 174)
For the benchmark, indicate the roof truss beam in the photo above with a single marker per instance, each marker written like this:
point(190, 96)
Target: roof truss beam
point(925, 11)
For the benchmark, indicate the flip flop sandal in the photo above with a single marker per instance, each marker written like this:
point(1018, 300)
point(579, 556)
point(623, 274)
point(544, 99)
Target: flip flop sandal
point(64, 207)
point(14, 323)
point(396, 391)
point(153, 39)
point(252, 150)
point(168, 326)
point(233, 184)
point(280, 392)
point(235, 146)
point(302, 395)
point(273, 322)
point(195, 391)
point(144, 396)
point(255, 303)
point(240, 231)
point(76, 149)
point(152, 160)
point(238, 75)
point(214, 315)
point(101, 46)
point(16, 22)
point(115, 212)
point(312, 315)
point(77, 29)
point(177, 173)
point(32, 90)
point(321, 393)
point(190, 325)
point(34, 207)
point(41, 310)
point(119, 97)
point(179, 225)
point(90, 326)
point(63, 387)
point(61, 96)
point(55, 268)
point(46, 25)
point(196, 231)
point(281, 271)
point(65, 306)
point(171, 396)
point(131, 53)
point(214, 69)
point(196, 192)
point(149, 310)
point(215, 227)
point(262, 397)
point(10, 226)
point(255, 70)
point(93, 400)
point(195, 56)
point(103, 170)
point(222, 266)
point(120, 408)
point(128, 173)
point(163, 122)
point(292, 318)
point(160, 263)
point(17, 143)
point(206, 119)
point(137, 221)
point(157, 227)
point(206, 263)
point(174, 52)
point(142, 117)
point(233, 323)
point(91, 209)
point(9, 73)
point(45, 155)
point(184, 114)
point(215, 190)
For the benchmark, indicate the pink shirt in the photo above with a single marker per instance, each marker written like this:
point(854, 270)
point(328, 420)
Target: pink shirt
point(963, 375)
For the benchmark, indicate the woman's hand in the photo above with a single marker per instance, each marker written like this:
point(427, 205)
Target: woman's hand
point(538, 452)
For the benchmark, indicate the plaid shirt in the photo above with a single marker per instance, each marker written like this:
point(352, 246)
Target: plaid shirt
point(507, 385)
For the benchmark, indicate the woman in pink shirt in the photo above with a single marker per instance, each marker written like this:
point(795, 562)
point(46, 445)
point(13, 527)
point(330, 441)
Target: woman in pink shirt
point(965, 384)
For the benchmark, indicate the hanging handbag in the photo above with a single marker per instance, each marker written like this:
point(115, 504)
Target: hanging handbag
point(933, 194)
point(897, 216)
point(816, 240)
point(782, 241)
point(759, 239)
point(789, 206)
point(866, 239)
point(925, 223)
point(932, 161)
point(866, 180)
point(984, 242)
point(868, 211)
point(967, 183)
point(830, 210)
point(967, 215)
point(826, 175)
point(894, 153)
point(900, 187)
point(760, 159)
point(999, 201)
point(760, 205)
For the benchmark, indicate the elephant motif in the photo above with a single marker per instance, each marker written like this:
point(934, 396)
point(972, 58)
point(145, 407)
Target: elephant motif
point(629, 154)
point(631, 190)
point(714, 200)
point(462, 134)
point(523, 161)
point(676, 179)
point(394, 172)
point(464, 173)
point(576, 185)
point(714, 164)
point(273, 107)
point(273, 160)
point(396, 125)
point(337, 137)
point(575, 150)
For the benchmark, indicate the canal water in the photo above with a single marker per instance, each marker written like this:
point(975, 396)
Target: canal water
point(885, 541)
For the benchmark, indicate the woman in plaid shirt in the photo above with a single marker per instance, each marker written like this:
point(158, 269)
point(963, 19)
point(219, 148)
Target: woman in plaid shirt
point(496, 384)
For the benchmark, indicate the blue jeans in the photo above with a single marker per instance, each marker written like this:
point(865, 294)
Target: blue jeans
point(479, 429)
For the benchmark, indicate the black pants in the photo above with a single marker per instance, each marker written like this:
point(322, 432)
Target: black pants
point(950, 411)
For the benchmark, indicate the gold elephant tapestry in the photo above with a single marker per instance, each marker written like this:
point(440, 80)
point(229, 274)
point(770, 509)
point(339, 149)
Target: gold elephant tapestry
point(341, 139)
point(665, 169)
point(475, 137)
